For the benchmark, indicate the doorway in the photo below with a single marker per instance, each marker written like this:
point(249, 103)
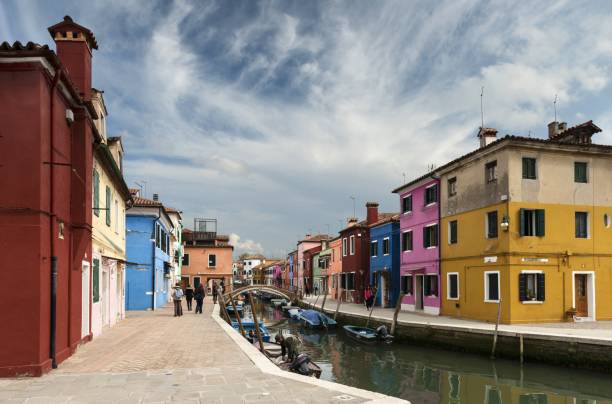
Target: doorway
point(418, 292)
point(584, 295)
point(196, 282)
point(85, 282)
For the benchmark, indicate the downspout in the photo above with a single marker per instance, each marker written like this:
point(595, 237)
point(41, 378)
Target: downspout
point(52, 221)
point(154, 270)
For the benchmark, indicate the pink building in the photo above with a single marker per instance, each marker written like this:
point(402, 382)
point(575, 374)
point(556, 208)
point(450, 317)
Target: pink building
point(304, 245)
point(420, 244)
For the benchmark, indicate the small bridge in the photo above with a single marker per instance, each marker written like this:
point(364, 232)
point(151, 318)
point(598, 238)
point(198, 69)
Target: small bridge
point(291, 296)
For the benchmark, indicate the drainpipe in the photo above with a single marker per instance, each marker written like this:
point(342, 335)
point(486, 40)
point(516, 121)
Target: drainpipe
point(52, 220)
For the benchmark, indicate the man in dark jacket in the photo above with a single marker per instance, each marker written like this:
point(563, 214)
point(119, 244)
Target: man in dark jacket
point(189, 296)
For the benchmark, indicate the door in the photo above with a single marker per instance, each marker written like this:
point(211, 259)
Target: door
point(383, 290)
point(581, 293)
point(85, 280)
point(419, 292)
point(104, 297)
point(196, 282)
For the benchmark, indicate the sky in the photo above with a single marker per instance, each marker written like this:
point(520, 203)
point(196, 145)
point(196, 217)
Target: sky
point(270, 115)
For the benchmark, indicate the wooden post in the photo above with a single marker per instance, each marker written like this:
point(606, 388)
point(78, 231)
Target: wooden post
point(398, 307)
point(238, 318)
point(323, 303)
point(521, 342)
point(372, 308)
point(257, 330)
point(315, 303)
point(339, 301)
point(222, 307)
point(496, 327)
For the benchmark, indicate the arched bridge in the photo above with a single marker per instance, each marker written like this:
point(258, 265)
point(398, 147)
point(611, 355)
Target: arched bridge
point(291, 296)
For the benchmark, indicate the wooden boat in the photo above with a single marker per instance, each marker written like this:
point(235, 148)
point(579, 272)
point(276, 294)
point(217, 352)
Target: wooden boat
point(365, 335)
point(249, 325)
point(313, 367)
point(239, 310)
point(273, 349)
point(315, 319)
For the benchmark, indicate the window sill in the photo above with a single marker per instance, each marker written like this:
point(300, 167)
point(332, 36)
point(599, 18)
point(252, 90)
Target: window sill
point(431, 248)
point(532, 302)
point(385, 255)
point(430, 204)
point(491, 301)
point(452, 298)
point(405, 213)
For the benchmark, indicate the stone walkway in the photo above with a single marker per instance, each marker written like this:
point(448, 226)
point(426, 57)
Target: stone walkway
point(153, 357)
point(594, 330)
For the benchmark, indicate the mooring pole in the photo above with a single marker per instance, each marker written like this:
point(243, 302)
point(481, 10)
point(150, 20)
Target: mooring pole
point(339, 301)
point(323, 303)
point(222, 306)
point(496, 327)
point(238, 317)
point(257, 330)
point(398, 307)
point(521, 342)
point(372, 308)
point(315, 303)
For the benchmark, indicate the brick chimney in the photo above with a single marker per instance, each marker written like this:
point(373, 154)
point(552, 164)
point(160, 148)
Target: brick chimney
point(351, 221)
point(156, 197)
point(554, 128)
point(487, 136)
point(74, 45)
point(372, 208)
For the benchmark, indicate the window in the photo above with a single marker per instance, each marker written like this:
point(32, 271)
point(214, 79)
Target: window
point(96, 280)
point(156, 235)
point(491, 286)
point(452, 283)
point(407, 241)
point(582, 225)
point(431, 195)
point(407, 204)
point(491, 171)
point(431, 285)
point(531, 286)
point(529, 168)
point(108, 206)
point(452, 186)
point(212, 260)
point(349, 281)
point(406, 284)
point(352, 245)
point(96, 192)
point(531, 222)
point(344, 247)
point(386, 246)
point(374, 249)
point(430, 236)
point(452, 232)
point(580, 172)
point(492, 224)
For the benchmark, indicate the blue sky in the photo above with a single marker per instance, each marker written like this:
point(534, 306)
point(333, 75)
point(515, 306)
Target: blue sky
point(269, 115)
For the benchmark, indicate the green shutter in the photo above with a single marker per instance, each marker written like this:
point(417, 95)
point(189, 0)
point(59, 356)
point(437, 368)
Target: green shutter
point(96, 280)
point(435, 235)
point(108, 206)
point(541, 287)
point(522, 287)
point(96, 192)
point(540, 223)
point(522, 222)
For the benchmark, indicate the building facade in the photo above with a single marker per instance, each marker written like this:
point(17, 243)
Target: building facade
point(248, 263)
point(46, 160)
point(320, 268)
point(335, 266)
point(385, 260)
point(207, 259)
point(176, 248)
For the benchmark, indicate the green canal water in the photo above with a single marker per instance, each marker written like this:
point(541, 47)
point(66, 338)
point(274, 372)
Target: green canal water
point(424, 375)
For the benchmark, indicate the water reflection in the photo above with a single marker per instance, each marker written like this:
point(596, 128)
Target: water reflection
point(424, 375)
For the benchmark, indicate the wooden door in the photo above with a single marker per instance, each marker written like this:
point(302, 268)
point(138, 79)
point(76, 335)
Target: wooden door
point(581, 292)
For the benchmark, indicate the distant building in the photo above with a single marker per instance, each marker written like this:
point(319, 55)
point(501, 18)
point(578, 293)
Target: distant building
point(248, 263)
point(335, 266)
point(176, 248)
point(304, 272)
point(385, 260)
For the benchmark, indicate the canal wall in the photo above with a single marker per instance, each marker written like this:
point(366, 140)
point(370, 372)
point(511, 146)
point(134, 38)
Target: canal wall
point(551, 348)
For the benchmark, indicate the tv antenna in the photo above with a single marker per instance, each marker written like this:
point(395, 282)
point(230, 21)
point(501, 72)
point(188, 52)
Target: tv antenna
point(555, 106)
point(404, 175)
point(354, 212)
point(481, 107)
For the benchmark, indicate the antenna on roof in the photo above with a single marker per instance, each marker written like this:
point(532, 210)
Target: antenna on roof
point(555, 106)
point(354, 212)
point(481, 107)
point(404, 175)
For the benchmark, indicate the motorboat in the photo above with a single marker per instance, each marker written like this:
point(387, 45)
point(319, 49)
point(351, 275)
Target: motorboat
point(315, 319)
point(239, 310)
point(278, 302)
point(294, 313)
point(249, 325)
point(368, 335)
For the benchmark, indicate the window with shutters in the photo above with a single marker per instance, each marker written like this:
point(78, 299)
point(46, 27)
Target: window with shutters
point(96, 192)
point(185, 259)
point(431, 285)
point(580, 172)
point(374, 248)
point(431, 194)
point(531, 286)
point(452, 284)
point(491, 281)
point(386, 246)
point(430, 236)
point(582, 224)
point(108, 206)
point(452, 186)
point(407, 204)
point(407, 241)
point(532, 222)
point(529, 168)
point(491, 171)
point(452, 232)
point(96, 280)
point(406, 284)
point(492, 224)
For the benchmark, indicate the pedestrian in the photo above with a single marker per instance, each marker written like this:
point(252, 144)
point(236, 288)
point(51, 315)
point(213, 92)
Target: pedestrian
point(306, 290)
point(199, 298)
point(367, 296)
point(214, 292)
point(177, 296)
point(222, 285)
point(316, 290)
point(189, 296)
point(290, 347)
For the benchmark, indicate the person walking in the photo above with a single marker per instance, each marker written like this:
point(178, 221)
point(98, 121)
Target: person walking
point(199, 298)
point(214, 292)
point(177, 296)
point(367, 297)
point(189, 296)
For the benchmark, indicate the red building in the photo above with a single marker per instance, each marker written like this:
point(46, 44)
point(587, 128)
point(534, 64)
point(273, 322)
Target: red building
point(46, 143)
point(355, 249)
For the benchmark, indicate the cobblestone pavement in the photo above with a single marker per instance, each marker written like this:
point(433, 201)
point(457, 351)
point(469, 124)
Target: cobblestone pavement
point(153, 357)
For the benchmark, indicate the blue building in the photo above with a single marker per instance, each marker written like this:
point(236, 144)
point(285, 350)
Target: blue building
point(149, 271)
point(385, 260)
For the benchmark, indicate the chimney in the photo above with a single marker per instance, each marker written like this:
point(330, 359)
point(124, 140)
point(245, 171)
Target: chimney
point(307, 236)
point(487, 136)
point(74, 44)
point(351, 221)
point(156, 197)
point(372, 208)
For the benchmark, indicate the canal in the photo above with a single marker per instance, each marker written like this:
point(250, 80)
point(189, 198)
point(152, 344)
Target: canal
point(424, 375)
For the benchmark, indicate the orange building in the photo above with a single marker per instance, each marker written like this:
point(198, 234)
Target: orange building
point(335, 265)
point(207, 259)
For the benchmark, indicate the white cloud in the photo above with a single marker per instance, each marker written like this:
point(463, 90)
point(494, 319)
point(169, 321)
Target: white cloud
point(248, 246)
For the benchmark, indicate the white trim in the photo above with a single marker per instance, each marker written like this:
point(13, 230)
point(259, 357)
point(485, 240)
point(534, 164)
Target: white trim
point(531, 271)
point(590, 290)
point(408, 307)
point(434, 311)
point(402, 246)
point(486, 284)
point(208, 262)
point(448, 274)
point(344, 248)
point(352, 245)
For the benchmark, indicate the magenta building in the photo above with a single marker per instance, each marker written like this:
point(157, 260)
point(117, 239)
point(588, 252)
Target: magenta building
point(420, 244)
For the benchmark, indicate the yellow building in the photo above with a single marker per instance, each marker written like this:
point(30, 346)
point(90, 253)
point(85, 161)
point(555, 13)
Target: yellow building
point(525, 225)
point(110, 197)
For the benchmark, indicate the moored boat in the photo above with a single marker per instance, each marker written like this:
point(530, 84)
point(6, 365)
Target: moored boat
point(294, 313)
point(315, 319)
point(249, 325)
point(239, 310)
point(367, 335)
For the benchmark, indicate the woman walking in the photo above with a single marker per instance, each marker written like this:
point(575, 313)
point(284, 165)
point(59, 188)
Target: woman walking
point(367, 296)
point(199, 298)
point(214, 292)
point(189, 296)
